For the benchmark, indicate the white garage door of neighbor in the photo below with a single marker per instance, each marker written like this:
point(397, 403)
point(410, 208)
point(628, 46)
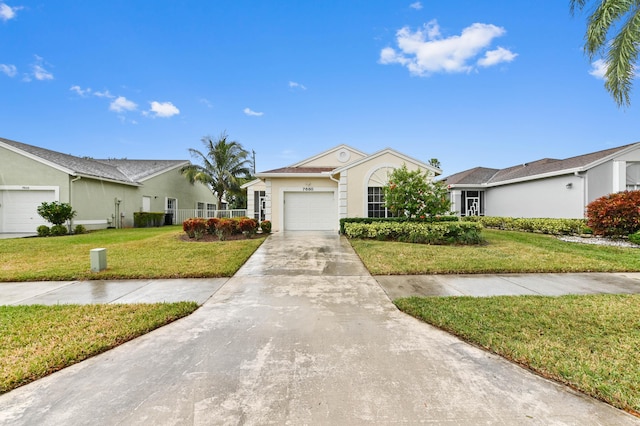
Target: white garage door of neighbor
point(310, 211)
point(19, 210)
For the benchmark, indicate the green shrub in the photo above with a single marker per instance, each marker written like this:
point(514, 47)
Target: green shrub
point(58, 230)
point(56, 212)
point(635, 238)
point(79, 229)
point(416, 232)
point(615, 214)
point(412, 194)
point(43, 231)
point(148, 219)
point(265, 225)
point(539, 225)
point(431, 219)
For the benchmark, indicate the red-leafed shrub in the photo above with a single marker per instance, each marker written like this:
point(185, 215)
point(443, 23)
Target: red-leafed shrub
point(195, 227)
point(615, 214)
point(247, 225)
point(211, 225)
point(224, 228)
point(265, 225)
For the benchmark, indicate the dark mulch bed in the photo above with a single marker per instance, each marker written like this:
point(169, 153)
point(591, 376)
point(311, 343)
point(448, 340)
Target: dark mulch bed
point(207, 238)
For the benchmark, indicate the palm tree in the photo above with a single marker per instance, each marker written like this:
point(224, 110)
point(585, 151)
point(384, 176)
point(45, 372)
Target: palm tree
point(225, 163)
point(621, 50)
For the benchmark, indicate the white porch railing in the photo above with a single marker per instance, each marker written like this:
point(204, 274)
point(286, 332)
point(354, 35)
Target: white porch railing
point(180, 215)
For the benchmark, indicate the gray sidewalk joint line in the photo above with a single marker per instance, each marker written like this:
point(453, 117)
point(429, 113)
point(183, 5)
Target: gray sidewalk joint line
point(19, 302)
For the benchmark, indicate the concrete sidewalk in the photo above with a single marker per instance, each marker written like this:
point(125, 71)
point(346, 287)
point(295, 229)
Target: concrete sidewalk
point(302, 334)
point(481, 285)
point(201, 289)
point(115, 291)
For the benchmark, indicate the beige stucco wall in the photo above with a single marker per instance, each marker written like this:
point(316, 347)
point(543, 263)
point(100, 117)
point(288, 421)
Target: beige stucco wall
point(358, 180)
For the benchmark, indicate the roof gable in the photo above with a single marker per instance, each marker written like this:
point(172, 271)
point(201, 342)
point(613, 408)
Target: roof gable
point(332, 158)
point(436, 171)
point(129, 172)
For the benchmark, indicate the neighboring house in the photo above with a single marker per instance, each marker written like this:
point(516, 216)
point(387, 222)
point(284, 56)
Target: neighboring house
point(545, 188)
point(104, 193)
point(315, 193)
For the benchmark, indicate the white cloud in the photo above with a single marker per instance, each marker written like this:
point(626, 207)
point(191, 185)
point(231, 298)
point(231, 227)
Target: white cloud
point(252, 113)
point(294, 85)
point(206, 102)
point(417, 5)
point(9, 70)
point(7, 12)
point(38, 70)
point(425, 51)
point(121, 104)
point(105, 94)
point(493, 57)
point(163, 109)
point(599, 68)
point(80, 91)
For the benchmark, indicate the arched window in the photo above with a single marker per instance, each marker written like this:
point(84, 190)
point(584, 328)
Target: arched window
point(376, 180)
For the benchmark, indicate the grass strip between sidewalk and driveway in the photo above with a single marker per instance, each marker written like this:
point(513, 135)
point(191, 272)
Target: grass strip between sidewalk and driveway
point(38, 340)
point(504, 252)
point(131, 254)
point(588, 342)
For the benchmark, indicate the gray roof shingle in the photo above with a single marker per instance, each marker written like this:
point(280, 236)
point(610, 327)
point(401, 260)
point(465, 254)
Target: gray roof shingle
point(125, 171)
point(482, 175)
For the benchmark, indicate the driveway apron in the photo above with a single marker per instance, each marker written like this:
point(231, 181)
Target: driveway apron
point(302, 334)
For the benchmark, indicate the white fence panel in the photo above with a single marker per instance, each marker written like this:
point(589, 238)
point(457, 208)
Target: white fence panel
point(181, 215)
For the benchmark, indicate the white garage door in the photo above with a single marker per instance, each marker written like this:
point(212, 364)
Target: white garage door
point(310, 211)
point(19, 210)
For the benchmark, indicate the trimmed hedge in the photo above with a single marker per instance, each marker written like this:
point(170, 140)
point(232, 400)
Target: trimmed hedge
point(539, 225)
point(447, 232)
point(395, 220)
point(148, 219)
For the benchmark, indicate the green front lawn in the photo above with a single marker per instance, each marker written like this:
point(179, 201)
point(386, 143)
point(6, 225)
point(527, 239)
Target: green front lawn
point(131, 253)
point(37, 340)
point(505, 252)
point(588, 342)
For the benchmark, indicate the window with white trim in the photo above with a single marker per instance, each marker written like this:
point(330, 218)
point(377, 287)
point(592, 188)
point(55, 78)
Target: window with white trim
point(375, 203)
point(633, 176)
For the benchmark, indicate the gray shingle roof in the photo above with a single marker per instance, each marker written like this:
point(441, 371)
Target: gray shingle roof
point(483, 176)
point(125, 171)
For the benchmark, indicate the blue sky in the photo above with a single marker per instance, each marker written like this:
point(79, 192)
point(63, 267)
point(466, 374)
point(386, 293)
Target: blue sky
point(473, 83)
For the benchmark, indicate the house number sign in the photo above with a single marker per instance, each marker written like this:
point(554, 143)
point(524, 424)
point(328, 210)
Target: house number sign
point(307, 188)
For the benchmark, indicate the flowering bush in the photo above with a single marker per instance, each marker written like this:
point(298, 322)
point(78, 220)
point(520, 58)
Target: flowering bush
point(615, 214)
point(412, 194)
point(195, 227)
point(265, 225)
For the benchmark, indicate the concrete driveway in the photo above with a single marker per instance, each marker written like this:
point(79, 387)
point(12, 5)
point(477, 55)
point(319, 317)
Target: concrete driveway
point(302, 334)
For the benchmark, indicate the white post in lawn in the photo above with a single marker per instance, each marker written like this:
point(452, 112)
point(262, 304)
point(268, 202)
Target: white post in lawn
point(98, 259)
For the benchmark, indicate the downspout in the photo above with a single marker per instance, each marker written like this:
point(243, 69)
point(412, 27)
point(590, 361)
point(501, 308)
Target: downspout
point(71, 181)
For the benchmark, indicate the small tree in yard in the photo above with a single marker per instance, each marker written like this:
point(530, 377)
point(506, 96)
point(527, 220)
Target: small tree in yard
point(412, 194)
point(56, 212)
